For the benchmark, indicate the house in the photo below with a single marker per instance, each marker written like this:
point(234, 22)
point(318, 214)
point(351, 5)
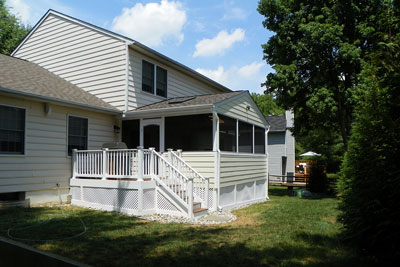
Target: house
point(42, 117)
point(281, 147)
point(192, 144)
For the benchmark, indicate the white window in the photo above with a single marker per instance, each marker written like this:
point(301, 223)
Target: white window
point(12, 130)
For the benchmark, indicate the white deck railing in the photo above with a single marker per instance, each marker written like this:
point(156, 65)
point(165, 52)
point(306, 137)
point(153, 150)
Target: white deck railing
point(200, 183)
point(174, 174)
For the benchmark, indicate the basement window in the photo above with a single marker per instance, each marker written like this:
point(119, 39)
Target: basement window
point(12, 130)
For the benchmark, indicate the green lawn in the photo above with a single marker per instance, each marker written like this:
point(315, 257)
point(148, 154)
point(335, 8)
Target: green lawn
point(285, 231)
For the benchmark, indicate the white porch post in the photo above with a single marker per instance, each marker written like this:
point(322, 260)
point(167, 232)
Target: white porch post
point(206, 192)
point(74, 163)
point(152, 166)
point(215, 131)
point(190, 196)
point(140, 163)
point(105, 162)
point(179, 152)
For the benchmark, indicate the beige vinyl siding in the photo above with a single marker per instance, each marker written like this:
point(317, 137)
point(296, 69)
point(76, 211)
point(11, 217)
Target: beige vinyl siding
point(236, 108)
point(87, 58)
point(202, 162)
point(45, 163)
point(178, 84)
point(237, 169)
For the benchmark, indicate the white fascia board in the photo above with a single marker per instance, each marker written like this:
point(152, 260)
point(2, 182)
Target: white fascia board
point(223, 102)
point(201, 109)
point(58, 101)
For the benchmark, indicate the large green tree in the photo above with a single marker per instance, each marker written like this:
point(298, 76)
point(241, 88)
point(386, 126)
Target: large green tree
point(267, 104)
point(317, 52)
point(12, 31)
point(370, 176)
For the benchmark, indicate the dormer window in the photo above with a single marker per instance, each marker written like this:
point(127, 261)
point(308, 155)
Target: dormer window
point(154, 77)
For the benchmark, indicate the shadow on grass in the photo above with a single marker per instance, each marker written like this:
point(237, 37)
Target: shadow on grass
point(113, 239)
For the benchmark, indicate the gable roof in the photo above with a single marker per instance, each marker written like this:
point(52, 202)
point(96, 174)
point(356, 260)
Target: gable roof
point(25, 78)
point(277, 123)
point(131, 43)
point(186, 101)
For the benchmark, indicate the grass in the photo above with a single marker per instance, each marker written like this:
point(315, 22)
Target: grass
point(285, 231)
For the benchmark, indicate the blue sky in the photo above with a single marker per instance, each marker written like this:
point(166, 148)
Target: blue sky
point(220, 39)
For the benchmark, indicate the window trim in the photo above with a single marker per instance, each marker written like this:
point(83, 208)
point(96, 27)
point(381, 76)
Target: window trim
point(67, 132)
point(23, 154)
point(155, 81)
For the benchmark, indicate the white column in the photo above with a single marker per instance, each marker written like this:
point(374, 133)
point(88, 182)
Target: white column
point(105, 164)
point(140, 163)
point(215, 131)
point(190, 196)
point(152, 165)
point(74, 163)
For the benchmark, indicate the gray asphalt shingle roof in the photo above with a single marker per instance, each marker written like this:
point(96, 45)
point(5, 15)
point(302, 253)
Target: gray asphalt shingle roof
point(26, 77)
point(277, 123)
point(187, 101)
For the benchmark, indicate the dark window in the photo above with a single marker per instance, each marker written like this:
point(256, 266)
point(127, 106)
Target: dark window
point(245, 137)
point(161, 81)
point(12, 130)
point(227, 133)
point(77, 134)
point(147, 77)
point(259, 140)
point(131, 133)
point(190, 133)
point(276, 138)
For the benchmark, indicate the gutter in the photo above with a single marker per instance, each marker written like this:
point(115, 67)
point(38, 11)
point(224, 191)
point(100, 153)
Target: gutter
point(170, 109)
point(58, 100)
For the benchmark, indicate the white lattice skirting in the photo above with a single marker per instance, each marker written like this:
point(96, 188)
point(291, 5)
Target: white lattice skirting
point(244, 193)
point(134, 198)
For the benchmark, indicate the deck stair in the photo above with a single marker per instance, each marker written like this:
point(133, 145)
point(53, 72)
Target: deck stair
point(181, 181)
point(175, 180)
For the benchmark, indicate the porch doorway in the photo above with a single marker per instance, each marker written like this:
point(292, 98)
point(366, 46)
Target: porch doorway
point(151, 134)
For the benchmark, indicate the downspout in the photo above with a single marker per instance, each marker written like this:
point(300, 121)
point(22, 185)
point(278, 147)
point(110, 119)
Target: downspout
point(126, 77)
point(217, 158)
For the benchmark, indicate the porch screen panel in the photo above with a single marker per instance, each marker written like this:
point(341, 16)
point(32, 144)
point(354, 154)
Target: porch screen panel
point(147, 77)
point(227, 134)
point(131, 133)
point(259, 140)
point(245, 137)
point(189, 133)
point(77, 134)
point(12, 130)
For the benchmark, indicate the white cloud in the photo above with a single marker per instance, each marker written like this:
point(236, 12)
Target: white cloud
point(20, 9)
point(235, 14)
point(219, 75)
point(250, 70)
point(219, 44)
point(247, 77)
point(153, 23)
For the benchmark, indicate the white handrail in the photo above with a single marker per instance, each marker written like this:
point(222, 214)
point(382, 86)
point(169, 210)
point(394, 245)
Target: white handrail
point(175, 182)
point(204, 183)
